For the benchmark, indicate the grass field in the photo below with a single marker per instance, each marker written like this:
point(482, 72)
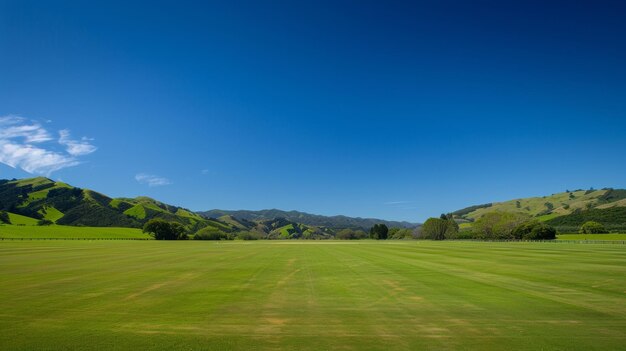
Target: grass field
point(88, 295)
point(70, 232)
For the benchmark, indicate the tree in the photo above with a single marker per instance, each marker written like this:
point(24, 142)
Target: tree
point(4, 217)
point(379, 232)
point(439, 229)
point(499, 225)
point(164, 230)
point(592, 227)
point(534, 230)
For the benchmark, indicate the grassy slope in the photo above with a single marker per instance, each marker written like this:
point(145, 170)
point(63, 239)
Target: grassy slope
point(62, 232)
point(52, 214)
point(535, 205)
point(312, 296)
point(22, 220)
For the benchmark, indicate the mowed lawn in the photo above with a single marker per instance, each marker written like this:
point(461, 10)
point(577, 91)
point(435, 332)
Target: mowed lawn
point(69, 232)
point(134, 295)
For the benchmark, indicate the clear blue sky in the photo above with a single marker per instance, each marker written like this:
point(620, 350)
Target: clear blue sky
point(379, 109)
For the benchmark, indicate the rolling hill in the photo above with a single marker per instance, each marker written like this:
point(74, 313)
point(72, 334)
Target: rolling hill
point(332, 222)
point(26, 202)
point(29, 200)
point(566, 211)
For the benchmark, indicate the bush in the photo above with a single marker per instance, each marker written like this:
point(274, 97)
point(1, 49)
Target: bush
point(247, 236)
point(592, 227)
point(466, 234)
point(400, 233)
point(350, 234)
point(211, 233)
point(534, 230)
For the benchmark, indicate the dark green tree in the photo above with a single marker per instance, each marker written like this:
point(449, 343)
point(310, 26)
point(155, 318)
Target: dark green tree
point(4, 217)
point(379, 232)
point(534, 230)
point(164, 230)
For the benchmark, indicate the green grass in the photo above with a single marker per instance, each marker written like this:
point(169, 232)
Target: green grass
point(137, 211)
point(52, 214)
point(138, 295)
point(591, 237)
point(65, 232)
point(21, 220)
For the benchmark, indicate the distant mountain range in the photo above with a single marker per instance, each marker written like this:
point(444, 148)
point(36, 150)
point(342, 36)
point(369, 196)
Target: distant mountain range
point(332, 222)
point(29, 201)
point(566, 211)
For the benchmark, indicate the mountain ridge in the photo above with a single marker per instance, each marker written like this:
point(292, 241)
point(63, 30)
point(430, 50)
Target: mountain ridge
point(334, 222)
point(40, 199)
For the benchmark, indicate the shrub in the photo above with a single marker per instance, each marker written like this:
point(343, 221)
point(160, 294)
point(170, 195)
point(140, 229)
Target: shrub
point(534, 230)
point(466, 234)
point(592, 227)
point(211, 233)
point(350, 234)
point(400, 233)
point(247, 236)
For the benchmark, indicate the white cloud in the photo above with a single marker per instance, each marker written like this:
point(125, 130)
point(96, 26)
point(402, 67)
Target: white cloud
point(151, 180)
point(33, 159)
point(12, 127)
point(75, 147)
point(26, 145)
point(392, 203)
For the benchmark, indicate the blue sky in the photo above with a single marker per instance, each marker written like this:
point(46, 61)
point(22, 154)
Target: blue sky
point(374, 109)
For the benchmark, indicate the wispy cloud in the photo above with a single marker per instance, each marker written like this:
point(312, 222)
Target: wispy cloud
point(391, 203)
point(75, 147)
point(151, 180)
point(204, 171)
point(27, 145)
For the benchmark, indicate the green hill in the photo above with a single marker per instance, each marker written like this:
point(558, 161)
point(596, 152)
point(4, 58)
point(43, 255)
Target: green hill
point(27, 201)
point(333, 222)
point(566, 211)
point(33, 199)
